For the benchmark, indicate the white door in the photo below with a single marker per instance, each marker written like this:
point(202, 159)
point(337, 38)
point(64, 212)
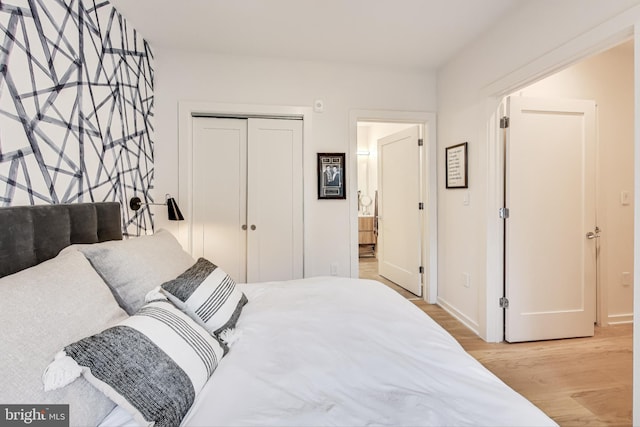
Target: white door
point(550, 192)
point(220, 193)
point(274, 214)
point(399, 230)
point(247, 197)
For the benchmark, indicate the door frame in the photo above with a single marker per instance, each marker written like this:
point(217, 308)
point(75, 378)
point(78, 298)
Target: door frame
point(186, 110)
point(598, 40)
point(429, 189)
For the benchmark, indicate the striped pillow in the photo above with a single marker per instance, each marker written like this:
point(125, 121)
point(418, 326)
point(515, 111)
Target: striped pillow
point(208, 295)
point(153, 364)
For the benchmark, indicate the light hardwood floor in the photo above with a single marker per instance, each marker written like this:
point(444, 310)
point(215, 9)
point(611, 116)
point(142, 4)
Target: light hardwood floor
point(577, 382)
point(369, 270)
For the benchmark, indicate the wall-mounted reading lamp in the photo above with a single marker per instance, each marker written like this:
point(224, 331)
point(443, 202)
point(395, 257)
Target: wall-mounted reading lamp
point(172, 207)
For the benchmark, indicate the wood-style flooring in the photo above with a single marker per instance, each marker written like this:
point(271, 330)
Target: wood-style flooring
point(577, 382)
point(369, 270)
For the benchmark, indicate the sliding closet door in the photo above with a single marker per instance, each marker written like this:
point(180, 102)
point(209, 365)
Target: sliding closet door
point(274, 207)
point(247, 197)
point(220, 193)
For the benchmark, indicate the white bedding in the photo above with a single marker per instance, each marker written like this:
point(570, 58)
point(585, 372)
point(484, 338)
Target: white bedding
point(345, 352)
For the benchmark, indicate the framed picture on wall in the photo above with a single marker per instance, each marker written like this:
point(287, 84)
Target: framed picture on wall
point(331, 176)
point(456, 161)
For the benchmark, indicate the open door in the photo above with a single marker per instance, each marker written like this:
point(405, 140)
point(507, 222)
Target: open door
point(550, 232)
point(399, 216)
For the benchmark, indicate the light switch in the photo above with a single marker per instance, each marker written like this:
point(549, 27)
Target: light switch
point(466, 280)
point(624, 198)
point(466, 199)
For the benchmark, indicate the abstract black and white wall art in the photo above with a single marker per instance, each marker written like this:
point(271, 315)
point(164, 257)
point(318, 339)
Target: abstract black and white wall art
point(76, 107)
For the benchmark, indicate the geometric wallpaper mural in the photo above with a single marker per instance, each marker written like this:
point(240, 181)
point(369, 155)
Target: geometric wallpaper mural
point(76, 107)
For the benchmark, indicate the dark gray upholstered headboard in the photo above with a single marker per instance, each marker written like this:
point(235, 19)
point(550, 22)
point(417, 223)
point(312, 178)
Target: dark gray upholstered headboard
point(30, 235)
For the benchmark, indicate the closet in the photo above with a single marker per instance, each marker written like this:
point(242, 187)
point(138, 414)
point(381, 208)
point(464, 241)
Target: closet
point(247, 196)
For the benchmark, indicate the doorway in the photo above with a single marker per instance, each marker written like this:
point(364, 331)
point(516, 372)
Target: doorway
point(366, 180)
point(606, 78)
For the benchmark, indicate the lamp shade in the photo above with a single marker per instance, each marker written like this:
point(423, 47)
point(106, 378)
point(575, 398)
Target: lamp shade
point(173, 210)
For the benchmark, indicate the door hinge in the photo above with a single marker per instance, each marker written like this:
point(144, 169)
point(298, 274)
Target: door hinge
point(504, 302)
point(504, 122)
point(421, 206)
point(421, 269)
point(503, 213)
point(420, 142)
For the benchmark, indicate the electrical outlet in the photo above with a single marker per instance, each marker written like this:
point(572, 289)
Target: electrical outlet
point(334, 268)
point(466, 280)
point(626, 278)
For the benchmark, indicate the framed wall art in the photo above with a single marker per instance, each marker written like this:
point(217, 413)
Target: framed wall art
point(456, 161)
point(331, 176)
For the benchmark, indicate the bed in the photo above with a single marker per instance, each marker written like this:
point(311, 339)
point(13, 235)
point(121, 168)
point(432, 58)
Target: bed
point(312, 352)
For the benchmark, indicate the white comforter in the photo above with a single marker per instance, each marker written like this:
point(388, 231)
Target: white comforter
point(343, 352)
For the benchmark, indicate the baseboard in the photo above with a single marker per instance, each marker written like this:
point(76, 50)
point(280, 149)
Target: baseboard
point(459, 316)
point(619, 319)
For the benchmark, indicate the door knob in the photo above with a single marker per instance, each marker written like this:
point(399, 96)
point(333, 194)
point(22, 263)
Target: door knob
point(591, 235)
point(244, 226)
point(253, 227)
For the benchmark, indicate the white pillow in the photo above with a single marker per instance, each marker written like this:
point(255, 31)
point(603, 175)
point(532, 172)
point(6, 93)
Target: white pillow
point(153, 364)
point(207, 294)
point(135, 266)
point(44, 308)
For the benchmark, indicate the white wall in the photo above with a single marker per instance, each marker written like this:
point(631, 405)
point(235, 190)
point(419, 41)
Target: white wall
point(535, 40)
point(469, 89)
point(185, 76)
point(607, 78)
point(366, 184)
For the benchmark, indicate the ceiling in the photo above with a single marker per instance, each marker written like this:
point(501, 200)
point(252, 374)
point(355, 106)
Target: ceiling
point(411, 34)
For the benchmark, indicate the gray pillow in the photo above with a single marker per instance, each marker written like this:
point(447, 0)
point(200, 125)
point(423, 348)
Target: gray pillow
point(153, 364)
point(44, 308)
point(135, 266)
point(207, 294)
